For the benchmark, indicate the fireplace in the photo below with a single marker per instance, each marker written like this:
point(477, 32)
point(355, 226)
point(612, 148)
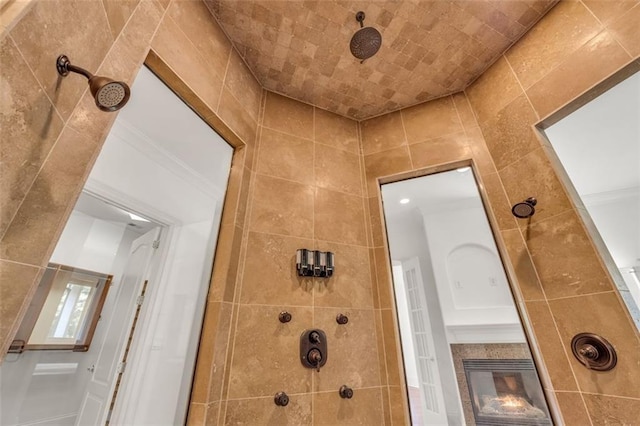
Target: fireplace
point(505, 392)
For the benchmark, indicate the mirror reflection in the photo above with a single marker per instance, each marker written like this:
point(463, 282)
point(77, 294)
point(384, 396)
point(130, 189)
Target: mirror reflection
point(599, 147)
point(72, 301)
point(466, 356)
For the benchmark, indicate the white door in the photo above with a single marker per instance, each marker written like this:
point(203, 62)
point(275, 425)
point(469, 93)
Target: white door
point(433, 409)
point(107, 352)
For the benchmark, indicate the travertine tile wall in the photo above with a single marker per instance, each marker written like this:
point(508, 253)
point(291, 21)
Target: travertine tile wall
point(306, 192)
point(52, 132)
point(561, 281)
point(300, 188)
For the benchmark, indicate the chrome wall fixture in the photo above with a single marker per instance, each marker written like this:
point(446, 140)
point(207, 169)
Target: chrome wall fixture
point(314, 263)
point(110, 95)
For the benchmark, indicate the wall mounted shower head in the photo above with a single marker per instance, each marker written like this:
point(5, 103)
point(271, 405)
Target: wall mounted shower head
point(525, 209)
point(366, 41)
point(110, 95)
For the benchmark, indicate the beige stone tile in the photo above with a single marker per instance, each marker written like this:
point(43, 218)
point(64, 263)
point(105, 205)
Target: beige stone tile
point(204, 364)
point(339, 218)
point(605, 315)
point(357, 368)
point(336, 170)
point(607, 10)
point(30, 126)
point(445, 149)
point(431, 120)
point(233, 113)
point(197, 23)
point(234, 185)
point(386, 407)
point(625, 30)
point(382, 358)
point(399, 406)
point(385, 163)
point(382, 133)
point(243, 85)
point(479, 151)
point(377, 223)
point(365, 408)
point(33, 233)
point(285, 156)
point(374, 278)
point(391, 348)
point(288, 115)
point(467, 118)
point(527, 280)
point(197, 414)
point(565, 260)
point(213, 413)
point(336, 131)
point(118, 13)
point(270, 276)
point(266, 352)
point(581, 70)
point(572, 408)
point(533, 176)
point(509, 135)
point(609, 410)
point(225, 264)
point(138, 31)
point(178, 52)
point(550, 346)
point(57, 27)
point(265, 411)
point(221, 353)
point(17, 284)
point(350, 286)
point(495, 89)
point(383, 275)
point(498, 202)
point(567, 27)
point(282, 207)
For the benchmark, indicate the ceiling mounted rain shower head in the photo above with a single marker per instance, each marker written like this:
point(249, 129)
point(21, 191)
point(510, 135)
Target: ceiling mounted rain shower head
point(110, 95)
point(366, 41)
point(525, 209)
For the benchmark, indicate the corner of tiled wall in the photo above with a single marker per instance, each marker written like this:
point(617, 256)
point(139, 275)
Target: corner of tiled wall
point(562, 279)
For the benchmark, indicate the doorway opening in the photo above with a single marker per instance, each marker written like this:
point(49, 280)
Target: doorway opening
point(166, 172)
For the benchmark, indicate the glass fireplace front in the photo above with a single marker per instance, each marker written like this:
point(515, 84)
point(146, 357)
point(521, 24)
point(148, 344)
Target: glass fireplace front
point(505, 392)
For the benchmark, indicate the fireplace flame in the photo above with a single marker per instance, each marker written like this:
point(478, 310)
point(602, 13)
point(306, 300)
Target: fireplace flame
point(511, 401)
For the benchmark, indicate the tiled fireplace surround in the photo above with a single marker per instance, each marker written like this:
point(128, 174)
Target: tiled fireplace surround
point(302, 177)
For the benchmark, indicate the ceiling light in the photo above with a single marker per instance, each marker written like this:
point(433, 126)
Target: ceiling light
point(366, 41)
point(463, 169)
point(405, 201)
point(136, 217)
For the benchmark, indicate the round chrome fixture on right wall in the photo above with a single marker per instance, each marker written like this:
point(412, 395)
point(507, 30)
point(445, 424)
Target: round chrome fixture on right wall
point(366, 41)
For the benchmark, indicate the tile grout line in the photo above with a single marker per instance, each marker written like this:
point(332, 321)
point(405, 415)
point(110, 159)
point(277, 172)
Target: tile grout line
point(524, 92)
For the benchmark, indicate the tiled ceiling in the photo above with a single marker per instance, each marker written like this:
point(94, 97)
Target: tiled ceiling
point(430, 48)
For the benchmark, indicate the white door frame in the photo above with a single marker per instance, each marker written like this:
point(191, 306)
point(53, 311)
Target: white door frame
point(126, 392)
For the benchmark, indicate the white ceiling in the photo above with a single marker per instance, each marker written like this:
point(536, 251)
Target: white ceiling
point(446, 189)
point(599, 144)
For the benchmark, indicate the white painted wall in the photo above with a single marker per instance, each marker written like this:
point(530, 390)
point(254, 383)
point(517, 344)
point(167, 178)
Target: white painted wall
point(472, 293)
point(46, 387)
point(407, 239)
